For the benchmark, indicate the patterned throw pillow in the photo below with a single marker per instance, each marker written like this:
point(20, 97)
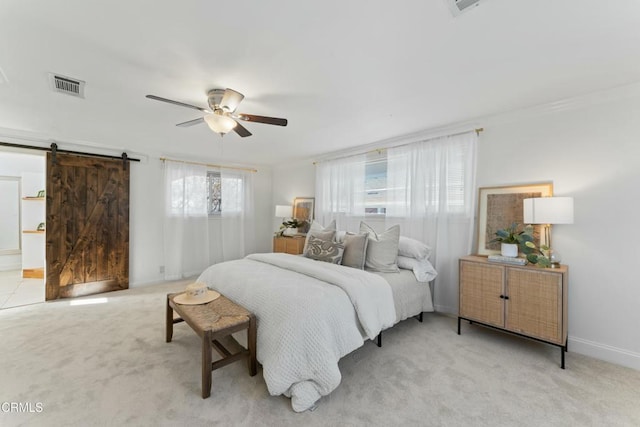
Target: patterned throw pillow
point(324, 250)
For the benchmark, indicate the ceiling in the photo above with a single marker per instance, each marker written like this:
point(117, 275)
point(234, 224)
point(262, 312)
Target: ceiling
point(344, 73)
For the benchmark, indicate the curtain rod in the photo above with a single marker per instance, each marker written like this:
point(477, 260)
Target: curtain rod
point(80, 153)
point(166, 159)
point(380, 150)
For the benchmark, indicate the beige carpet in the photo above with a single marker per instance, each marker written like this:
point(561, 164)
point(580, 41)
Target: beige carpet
point(108, 364)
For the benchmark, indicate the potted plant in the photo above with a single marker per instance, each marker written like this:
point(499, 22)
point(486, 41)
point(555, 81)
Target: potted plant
point(290, 227)
point(539, 256)
point(512, 240)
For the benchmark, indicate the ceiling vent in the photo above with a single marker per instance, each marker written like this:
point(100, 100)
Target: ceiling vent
point(67, 85)
point(459, 6)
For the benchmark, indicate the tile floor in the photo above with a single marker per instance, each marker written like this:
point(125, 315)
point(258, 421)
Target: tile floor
point(16, 291)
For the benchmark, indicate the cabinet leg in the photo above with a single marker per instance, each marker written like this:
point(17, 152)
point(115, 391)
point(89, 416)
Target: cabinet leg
point(458, 326)
point(562, 352)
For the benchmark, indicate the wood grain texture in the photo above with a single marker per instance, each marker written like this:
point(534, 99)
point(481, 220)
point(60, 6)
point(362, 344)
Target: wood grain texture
point(88, 226)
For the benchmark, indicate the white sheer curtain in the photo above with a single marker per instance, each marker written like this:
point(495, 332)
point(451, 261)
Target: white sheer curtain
point(233, 231)
point(193, 239)
point(340, 192)
point(431, 194)
point(186, 222)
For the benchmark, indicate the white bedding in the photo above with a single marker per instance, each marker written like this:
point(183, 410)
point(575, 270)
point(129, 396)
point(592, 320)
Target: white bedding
point(309, 315)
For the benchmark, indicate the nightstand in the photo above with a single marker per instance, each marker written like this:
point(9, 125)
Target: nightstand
point(291, 245)
point(524, 300)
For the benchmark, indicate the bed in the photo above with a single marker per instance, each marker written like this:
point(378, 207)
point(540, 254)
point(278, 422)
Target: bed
point(310, 314)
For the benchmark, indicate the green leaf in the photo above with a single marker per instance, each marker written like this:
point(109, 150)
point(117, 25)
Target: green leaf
point(532, 258)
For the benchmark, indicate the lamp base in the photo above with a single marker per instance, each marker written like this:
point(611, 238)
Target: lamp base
point(555, 264)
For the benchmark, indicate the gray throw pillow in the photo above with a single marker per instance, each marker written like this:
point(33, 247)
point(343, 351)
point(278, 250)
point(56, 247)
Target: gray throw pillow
point(355, 250)
point(382, 249)
point(324, 250)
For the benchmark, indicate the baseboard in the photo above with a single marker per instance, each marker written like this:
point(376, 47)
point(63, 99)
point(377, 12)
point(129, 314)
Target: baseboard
point(33, 273)
point(605, 352)
point(11, 267)
point(608, 353)
point(445, 309)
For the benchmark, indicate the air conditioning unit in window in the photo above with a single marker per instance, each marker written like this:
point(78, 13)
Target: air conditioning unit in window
point(459, 6)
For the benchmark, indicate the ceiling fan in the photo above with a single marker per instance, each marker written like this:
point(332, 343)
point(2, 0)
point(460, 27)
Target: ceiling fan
point(221, 116)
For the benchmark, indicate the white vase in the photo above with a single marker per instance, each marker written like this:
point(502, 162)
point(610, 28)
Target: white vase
point(509, 249)
point(290, 231)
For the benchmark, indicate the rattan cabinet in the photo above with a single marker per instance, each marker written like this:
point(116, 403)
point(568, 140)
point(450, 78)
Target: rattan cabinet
point(524, 300)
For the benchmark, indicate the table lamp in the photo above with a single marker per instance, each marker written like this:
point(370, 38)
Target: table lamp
point(548, 211)
point(284, 212)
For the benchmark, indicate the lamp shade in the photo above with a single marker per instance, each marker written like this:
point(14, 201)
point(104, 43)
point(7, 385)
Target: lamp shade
point(548, 210)
point(219, 123)
point(283, 211)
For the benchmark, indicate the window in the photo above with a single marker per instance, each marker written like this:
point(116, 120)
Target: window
point(214, 193)
point(441, 186)
point(197, 195)
point(375, 187)
point(186, 196)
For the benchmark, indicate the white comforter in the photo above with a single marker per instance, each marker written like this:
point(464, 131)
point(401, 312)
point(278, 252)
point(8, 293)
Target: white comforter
point(309, 315)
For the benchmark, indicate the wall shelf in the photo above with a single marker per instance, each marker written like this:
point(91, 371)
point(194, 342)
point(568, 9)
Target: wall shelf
point(33, 198)
point(33, 231)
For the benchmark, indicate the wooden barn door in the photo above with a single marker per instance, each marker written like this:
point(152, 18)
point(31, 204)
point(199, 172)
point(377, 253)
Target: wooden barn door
point(87, 225)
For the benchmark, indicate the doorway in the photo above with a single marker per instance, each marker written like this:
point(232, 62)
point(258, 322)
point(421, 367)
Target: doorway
point(22, 245)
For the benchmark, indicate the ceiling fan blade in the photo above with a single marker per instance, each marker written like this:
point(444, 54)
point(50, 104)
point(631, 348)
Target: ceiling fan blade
point(262, 119)
point(231, 100)
point(181, 104)
point(191, 122)
point(241, 130)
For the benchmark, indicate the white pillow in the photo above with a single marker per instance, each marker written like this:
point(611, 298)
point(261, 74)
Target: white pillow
point(422, 268)
point(382, 249)
point(413, 248)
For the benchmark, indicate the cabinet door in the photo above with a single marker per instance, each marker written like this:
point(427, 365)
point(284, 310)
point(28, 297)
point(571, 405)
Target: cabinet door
point(279, 244)
point(481, 286)
point(295, 245)
point(534, 306)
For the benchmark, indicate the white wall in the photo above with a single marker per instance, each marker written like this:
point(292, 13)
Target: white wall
point(592, 153)
point(291, 180)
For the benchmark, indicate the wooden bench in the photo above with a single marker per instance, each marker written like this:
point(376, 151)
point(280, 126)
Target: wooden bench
point(213, 321)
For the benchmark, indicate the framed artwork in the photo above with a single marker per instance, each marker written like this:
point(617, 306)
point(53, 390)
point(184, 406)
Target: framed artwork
point(303, 208)
point(499, 207)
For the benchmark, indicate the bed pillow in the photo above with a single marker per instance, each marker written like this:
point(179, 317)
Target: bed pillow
point(382, 249)
point(413, 248)
point(355, 250)
point(317, 227)
point(422, 268)
point(324, 249)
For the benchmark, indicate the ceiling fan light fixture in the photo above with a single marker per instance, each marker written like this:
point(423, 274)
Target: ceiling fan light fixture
point(219, 123)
